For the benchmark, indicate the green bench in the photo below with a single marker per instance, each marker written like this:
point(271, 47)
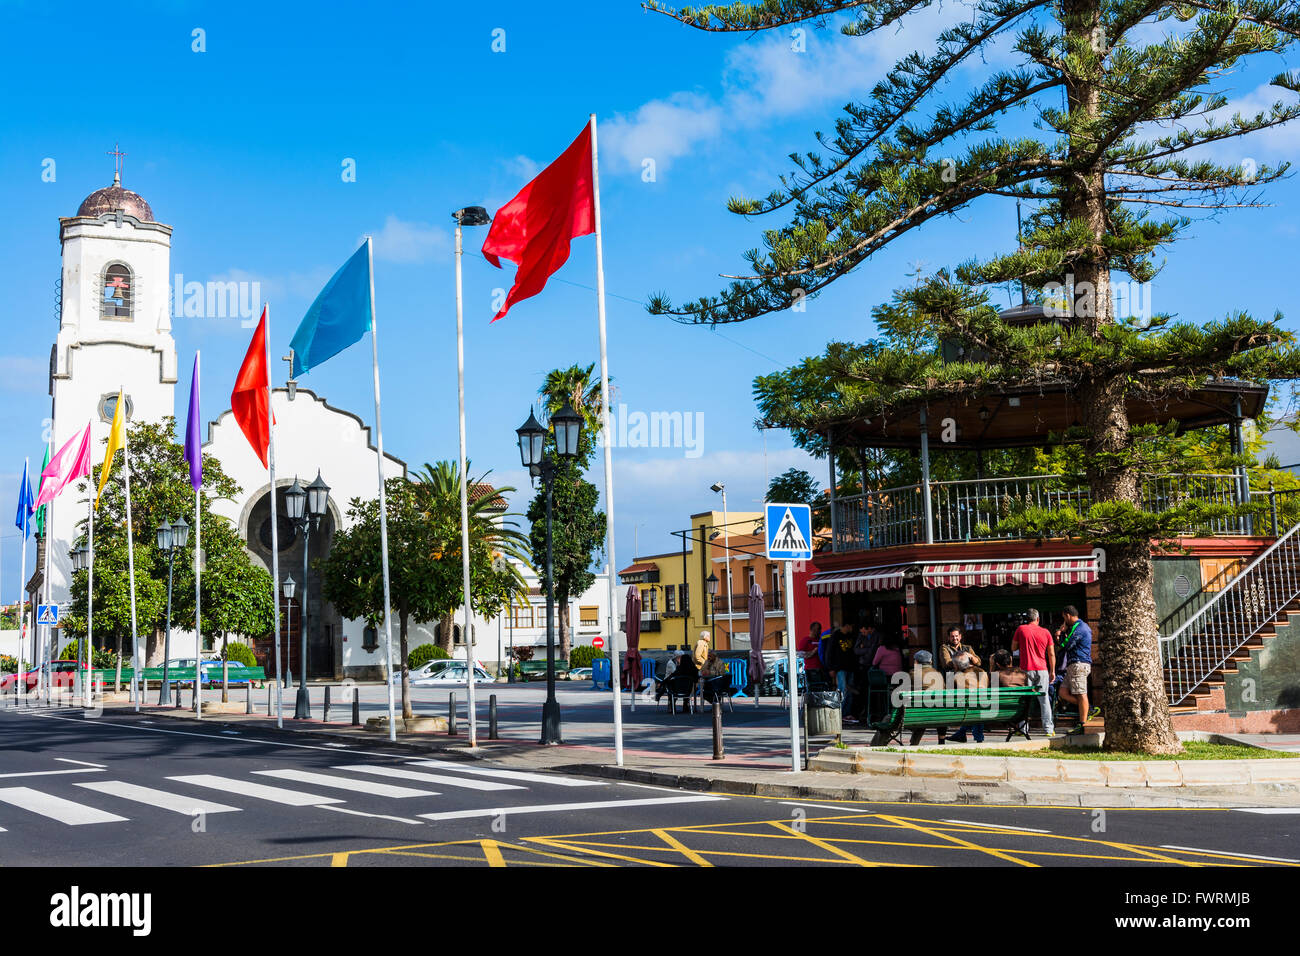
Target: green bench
point(920, 710)
point(530, 669)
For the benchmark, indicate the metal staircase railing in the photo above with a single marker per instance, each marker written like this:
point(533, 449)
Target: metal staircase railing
point(1243, 607)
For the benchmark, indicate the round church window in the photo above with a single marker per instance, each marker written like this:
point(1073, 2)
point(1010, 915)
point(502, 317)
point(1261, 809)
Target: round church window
point(287, 534)
point(108, 407)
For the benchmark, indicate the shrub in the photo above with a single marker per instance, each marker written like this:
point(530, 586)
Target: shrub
point(583, 655)
point(9, 665)
point(241, 653)
point(103, 658)
point(425, 653)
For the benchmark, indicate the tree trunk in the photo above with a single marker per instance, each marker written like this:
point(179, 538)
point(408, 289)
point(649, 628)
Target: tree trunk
point(564, 628)
point(225, 668)
point(1137, 708)
point(446, 632)
point(407, 712)
point(117, 673)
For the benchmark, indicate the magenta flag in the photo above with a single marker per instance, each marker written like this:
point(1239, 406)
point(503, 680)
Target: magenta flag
point(70, 463)
point(193, 435)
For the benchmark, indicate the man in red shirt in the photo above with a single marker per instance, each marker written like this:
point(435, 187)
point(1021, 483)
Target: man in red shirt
point(1038, 660)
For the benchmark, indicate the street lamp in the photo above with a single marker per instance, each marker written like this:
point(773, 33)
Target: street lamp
point(726, 546)
point(711, 582)
point(305, 508)
point(532, 440)
point(171, 539)
point(288, 588)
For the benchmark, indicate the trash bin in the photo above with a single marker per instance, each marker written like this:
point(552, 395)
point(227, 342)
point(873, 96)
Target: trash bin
point(824, 712)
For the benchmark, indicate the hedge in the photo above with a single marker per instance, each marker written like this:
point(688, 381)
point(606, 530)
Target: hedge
point(425, 653)
point(241, 653)
point(583, 655)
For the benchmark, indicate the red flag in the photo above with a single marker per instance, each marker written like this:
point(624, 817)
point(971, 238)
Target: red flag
point(533, 230)
point(249, 400)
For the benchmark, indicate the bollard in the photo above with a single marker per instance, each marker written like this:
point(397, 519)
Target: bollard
point(326, 718)
point(717, 730)
point(451, 714)
point(492, 717)
point(176, 702)
point(248, 697)
point(356, 707)
point(268, 698)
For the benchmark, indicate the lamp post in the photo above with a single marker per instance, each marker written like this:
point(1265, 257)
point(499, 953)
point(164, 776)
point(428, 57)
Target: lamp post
point(711, 582)
point(288, 589)
point(305, 508)
point(80, 562)
point(726, 546)
point(567, 425)
point(171, 539)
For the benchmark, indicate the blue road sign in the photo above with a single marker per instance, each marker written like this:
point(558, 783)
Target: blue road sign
point(788, 532)
point(47, 614)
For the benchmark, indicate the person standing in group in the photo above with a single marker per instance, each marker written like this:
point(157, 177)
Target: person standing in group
point(811, 647)
point(1076, 646)
point(840, 662)
point(1038, 660)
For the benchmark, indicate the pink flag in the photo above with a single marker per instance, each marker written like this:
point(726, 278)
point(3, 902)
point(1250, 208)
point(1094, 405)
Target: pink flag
point(71, 462)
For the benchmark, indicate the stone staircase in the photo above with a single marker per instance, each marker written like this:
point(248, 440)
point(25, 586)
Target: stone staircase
point(1242, 615)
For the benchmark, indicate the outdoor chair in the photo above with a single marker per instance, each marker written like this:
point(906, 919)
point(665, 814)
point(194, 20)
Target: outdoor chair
point(739, 669)
point(679, 687)
point(719, 688)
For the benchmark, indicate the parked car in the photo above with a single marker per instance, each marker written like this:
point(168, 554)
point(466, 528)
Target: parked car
point(454, 673)
point(427, 669)
point(234, 673)
point(580, 673)
point(64, 674)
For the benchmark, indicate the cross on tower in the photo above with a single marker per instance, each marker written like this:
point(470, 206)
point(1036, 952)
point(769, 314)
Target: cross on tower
point(117, 153)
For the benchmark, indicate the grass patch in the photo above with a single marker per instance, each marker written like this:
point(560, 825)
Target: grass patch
point(1195, 750)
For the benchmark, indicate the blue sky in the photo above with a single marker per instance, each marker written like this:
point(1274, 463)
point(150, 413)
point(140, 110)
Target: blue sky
point(240, 149)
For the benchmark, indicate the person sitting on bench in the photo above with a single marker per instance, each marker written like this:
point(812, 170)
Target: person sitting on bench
point(1005, 674)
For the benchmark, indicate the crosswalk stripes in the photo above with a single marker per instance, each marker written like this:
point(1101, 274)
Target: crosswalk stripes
point(553, 779)
point(465, 783)
point(175, 802)
point(345, 783)
point(56, 808)
point(292, 798)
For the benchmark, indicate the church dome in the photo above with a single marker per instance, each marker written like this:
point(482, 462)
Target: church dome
point(114, 197)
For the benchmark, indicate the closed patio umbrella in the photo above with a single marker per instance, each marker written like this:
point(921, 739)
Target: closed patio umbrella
point(756, 624)
point(632, 629)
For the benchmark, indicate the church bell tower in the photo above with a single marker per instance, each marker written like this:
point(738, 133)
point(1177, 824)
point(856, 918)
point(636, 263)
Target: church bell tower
point(114, 333)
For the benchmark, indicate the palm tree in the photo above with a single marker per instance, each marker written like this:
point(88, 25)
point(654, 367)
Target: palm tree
point(575, 386)
point(440, 485)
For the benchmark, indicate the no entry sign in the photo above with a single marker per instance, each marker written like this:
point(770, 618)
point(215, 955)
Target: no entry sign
point(597, 641)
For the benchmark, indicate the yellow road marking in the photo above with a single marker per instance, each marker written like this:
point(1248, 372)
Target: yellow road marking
point(339, 859)
point(558, 844)
point(492, 854)
point(958, 840)
point(828, 847)
point(686, 851)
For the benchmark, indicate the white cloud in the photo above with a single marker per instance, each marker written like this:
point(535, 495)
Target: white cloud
point(769, 79)
point(522, 167)
point(411, 242)
point(662, 130)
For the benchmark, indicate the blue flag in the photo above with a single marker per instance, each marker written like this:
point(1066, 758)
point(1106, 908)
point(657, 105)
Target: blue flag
point(339, 317)
point(23, 520)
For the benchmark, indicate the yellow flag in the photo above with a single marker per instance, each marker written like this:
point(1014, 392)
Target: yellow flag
point(116, 440)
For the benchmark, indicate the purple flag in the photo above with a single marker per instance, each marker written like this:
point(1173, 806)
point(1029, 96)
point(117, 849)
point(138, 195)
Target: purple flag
point(193, 440)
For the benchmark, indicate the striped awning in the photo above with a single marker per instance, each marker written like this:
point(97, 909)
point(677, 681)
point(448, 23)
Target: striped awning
point(887, 578)
point(988, 574)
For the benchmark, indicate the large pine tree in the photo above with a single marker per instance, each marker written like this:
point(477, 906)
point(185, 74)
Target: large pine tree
point(1123, 92)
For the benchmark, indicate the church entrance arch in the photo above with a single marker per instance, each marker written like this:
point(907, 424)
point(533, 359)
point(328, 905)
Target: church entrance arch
point(323, 623)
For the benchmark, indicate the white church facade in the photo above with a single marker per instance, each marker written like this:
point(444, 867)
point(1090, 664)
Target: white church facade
point(115, 332)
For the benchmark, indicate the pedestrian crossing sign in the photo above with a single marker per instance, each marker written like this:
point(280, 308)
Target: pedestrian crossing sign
point(788, 532)
point(47, 614)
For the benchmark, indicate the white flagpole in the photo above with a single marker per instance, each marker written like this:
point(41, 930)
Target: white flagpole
point(137, 664)
point(609, 464)
point(47, 641)
point(275, 521)
point(20, 677)
point(464, 500)
point(88, 691)
point(383, 497)
point(198, 544)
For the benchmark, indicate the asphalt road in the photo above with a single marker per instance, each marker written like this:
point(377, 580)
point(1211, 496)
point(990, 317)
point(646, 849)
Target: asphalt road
point(125, 791)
